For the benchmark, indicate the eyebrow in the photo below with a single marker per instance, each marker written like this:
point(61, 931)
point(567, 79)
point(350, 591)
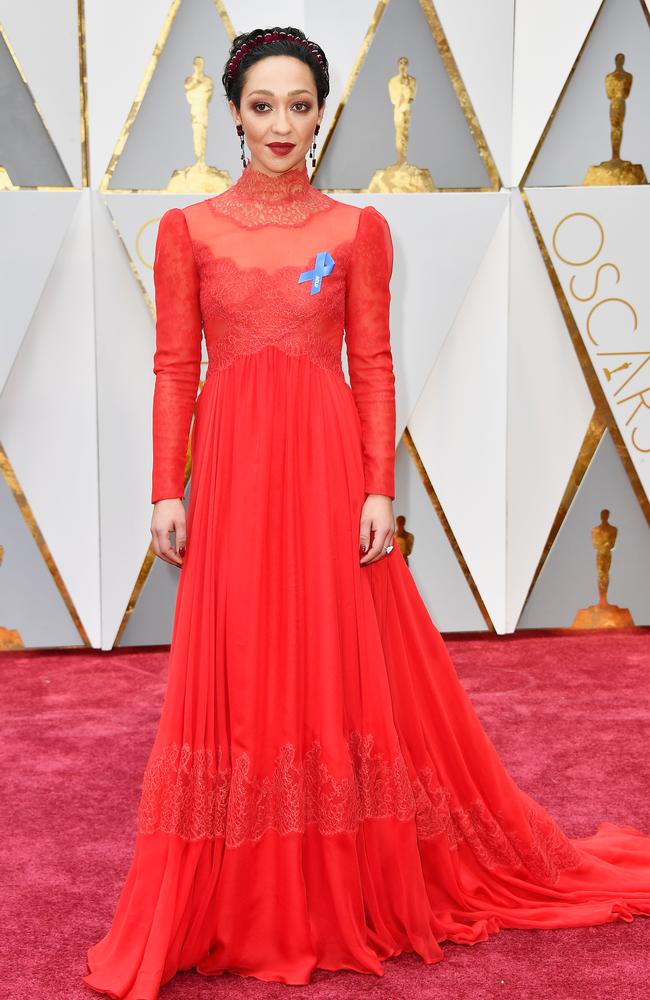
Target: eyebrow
point(303, 90)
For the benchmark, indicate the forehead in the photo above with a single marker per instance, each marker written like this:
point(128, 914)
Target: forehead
point(279, 76)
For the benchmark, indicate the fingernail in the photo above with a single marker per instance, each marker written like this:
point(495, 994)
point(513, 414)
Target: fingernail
point(181, 551)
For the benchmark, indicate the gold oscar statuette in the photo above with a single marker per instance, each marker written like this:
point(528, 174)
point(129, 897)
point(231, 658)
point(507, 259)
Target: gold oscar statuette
point(603, 614)
point(9, 637)
point(402, 538)
point(616, 171)
point(200, 177)
point(402, 176)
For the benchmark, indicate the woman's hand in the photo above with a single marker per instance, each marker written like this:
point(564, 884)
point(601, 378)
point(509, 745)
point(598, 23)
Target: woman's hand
point(168, 516)
point(377, 516)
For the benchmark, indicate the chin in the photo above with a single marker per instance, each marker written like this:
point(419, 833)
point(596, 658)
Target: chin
point(282, 163)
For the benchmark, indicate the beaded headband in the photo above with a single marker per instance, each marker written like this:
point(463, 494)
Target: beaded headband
point(270, 36)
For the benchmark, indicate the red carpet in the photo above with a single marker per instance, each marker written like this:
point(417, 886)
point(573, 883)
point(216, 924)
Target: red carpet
point(570, 716)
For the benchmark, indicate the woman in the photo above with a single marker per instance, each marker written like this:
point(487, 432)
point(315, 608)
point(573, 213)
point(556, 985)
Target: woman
point(320, 793)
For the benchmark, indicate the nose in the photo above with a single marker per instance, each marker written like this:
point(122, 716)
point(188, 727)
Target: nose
point(281, 126)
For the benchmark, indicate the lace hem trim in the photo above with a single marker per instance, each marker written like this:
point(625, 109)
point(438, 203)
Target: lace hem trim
point(184, 793)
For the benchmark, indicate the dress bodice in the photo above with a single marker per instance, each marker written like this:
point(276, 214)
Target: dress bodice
point(273, 262)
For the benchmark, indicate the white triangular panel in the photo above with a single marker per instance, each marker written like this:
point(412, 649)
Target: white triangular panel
point(33, 611)
point(125, 347)
point(480, 37)
point(439, 241)
point(136, 224)
point(602, 259)
point(459, 424)
point(433, 563)
point(45, 38)
point(48, 420)
point(120, 40)
point(151, 620)
point(548, 38)
point(32, 228)
point(549, 409)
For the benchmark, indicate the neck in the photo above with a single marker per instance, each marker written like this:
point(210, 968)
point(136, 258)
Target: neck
point(292, 183)
point(275, 174)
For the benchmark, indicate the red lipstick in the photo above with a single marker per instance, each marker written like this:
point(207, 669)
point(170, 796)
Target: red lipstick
point(281, 148)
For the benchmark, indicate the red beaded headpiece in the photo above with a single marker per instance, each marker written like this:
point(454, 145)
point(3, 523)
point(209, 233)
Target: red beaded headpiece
point(270, 36)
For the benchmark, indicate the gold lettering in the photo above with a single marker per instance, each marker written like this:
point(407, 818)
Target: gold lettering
point(624, 354)
point(642, 402)
point(572, 215)
point(624, 365)
point(601, 268)
point(637, 446)
point(602, 303)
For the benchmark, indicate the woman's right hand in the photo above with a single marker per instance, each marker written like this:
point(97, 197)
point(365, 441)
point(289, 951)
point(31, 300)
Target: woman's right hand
point(168, 516)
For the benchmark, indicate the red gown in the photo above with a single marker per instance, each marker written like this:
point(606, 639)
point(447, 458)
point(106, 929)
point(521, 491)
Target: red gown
point(320, 792)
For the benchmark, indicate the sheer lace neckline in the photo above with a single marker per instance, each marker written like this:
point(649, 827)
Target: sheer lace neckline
point(292, 183)
point(284, 199)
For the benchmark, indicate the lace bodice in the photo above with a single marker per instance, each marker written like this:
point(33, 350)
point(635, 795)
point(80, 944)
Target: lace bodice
point(272, 262)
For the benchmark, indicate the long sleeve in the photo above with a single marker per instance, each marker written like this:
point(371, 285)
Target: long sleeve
point(177, 358)
point(370, 360)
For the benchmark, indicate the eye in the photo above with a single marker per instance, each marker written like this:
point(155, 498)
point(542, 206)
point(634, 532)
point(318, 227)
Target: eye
point(264, 104)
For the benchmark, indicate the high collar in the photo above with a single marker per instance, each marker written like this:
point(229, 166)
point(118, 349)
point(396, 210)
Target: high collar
point(289, 184)
point(284, 199)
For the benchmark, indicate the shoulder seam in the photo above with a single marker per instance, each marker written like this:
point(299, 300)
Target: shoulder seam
point(188, 232)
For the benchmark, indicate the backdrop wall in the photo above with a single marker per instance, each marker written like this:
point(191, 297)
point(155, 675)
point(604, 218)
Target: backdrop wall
point(520, 295)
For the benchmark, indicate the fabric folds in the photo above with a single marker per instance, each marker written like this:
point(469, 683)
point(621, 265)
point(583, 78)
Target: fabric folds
point(403, 829)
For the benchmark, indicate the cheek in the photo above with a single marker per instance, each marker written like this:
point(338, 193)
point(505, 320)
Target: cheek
point(255, 127)
point(305, 128)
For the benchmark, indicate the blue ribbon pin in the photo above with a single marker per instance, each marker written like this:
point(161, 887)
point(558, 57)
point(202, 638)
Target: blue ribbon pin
point(323, 267)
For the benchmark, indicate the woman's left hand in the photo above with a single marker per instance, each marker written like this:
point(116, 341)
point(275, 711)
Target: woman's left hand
point(376, 516)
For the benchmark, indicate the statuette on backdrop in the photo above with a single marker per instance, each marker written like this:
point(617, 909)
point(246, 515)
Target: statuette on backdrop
point(402, 538)
point(199, 177)
point(402, 176)
point(603, 614)
point(9, 637)
point(617, 171)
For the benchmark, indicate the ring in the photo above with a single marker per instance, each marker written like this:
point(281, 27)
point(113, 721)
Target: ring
point(388, 549)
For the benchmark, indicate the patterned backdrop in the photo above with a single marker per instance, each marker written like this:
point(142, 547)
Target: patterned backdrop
point(508, 147)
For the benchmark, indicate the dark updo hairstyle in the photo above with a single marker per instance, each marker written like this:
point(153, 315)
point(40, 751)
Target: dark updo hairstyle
point(276, 44)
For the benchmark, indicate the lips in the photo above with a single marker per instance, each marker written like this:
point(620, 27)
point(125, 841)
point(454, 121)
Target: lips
point(281, 145)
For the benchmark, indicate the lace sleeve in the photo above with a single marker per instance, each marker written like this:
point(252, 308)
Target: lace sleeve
point(177, 358)
point(367, 336)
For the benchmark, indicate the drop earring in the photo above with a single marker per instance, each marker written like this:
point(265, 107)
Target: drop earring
point(240, 133)
point(313, 146)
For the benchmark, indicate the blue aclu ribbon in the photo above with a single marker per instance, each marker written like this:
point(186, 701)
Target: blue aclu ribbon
point(323, 267)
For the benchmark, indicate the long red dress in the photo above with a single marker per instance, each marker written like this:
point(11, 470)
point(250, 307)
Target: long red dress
point(320, 792)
